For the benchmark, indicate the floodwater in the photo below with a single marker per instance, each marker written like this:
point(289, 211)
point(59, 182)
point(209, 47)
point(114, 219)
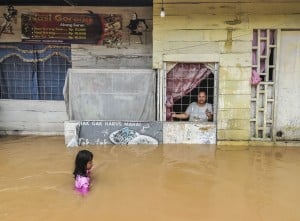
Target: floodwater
point(155, 183)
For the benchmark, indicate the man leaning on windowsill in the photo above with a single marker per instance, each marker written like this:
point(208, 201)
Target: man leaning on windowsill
point(199, 111)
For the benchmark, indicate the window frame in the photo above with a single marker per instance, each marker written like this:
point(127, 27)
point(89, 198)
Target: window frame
point(162, 85)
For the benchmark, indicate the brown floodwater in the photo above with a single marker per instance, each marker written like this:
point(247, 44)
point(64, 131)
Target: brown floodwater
point(155, 183)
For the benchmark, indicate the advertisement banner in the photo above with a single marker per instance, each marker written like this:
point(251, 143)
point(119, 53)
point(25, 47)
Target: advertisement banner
point(120, 132)
point(71, 28)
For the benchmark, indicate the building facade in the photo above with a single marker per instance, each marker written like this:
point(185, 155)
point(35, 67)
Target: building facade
point(251, 50)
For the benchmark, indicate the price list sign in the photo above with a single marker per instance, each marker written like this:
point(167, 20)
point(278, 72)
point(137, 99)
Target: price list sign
point(62, 28)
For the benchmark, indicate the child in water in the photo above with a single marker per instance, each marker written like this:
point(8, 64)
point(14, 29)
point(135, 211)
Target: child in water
point(83, 165)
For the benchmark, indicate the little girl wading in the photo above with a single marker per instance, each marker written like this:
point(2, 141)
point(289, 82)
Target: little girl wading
point(83, 165)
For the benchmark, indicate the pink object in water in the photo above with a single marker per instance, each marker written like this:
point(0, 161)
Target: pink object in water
point(82, 184)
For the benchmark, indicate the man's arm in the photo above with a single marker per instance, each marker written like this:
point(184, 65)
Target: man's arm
point(209, 112)
point(181, 116)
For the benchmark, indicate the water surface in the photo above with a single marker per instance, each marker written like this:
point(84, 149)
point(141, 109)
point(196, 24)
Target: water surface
point(141, 183)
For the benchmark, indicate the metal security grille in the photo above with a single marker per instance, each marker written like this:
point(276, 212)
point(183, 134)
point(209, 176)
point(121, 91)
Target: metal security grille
point(208, 84)
point(33, 81)
point(52, 78)
point(262, 94)
point(33, 71)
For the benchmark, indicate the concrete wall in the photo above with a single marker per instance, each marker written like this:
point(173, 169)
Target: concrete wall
point(199, 31)
point(21, 117)
point(189, 133)
point(155, 132)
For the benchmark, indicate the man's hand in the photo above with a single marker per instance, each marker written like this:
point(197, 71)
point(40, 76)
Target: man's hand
point(208, 114)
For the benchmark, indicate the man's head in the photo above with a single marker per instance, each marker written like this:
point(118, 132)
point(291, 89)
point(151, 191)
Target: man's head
point(201, 98)
point(133, 16)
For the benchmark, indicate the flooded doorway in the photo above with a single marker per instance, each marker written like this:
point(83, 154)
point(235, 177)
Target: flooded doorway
point(288, 91)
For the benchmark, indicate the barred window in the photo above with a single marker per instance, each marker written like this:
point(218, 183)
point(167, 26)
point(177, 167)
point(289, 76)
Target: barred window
point(206, 85)
point(33, 72)
point(184, 82)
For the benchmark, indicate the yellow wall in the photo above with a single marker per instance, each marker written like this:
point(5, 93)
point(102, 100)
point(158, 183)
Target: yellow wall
point(220, 32)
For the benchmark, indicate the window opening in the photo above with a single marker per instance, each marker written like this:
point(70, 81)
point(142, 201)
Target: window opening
point(33, 72)
point(184, 82)
point(206, 85)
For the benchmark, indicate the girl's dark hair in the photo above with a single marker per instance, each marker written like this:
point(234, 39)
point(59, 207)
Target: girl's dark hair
point(82, 158)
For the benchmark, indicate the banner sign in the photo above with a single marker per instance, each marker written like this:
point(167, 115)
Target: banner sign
point(120, 132)
point(71, 28)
